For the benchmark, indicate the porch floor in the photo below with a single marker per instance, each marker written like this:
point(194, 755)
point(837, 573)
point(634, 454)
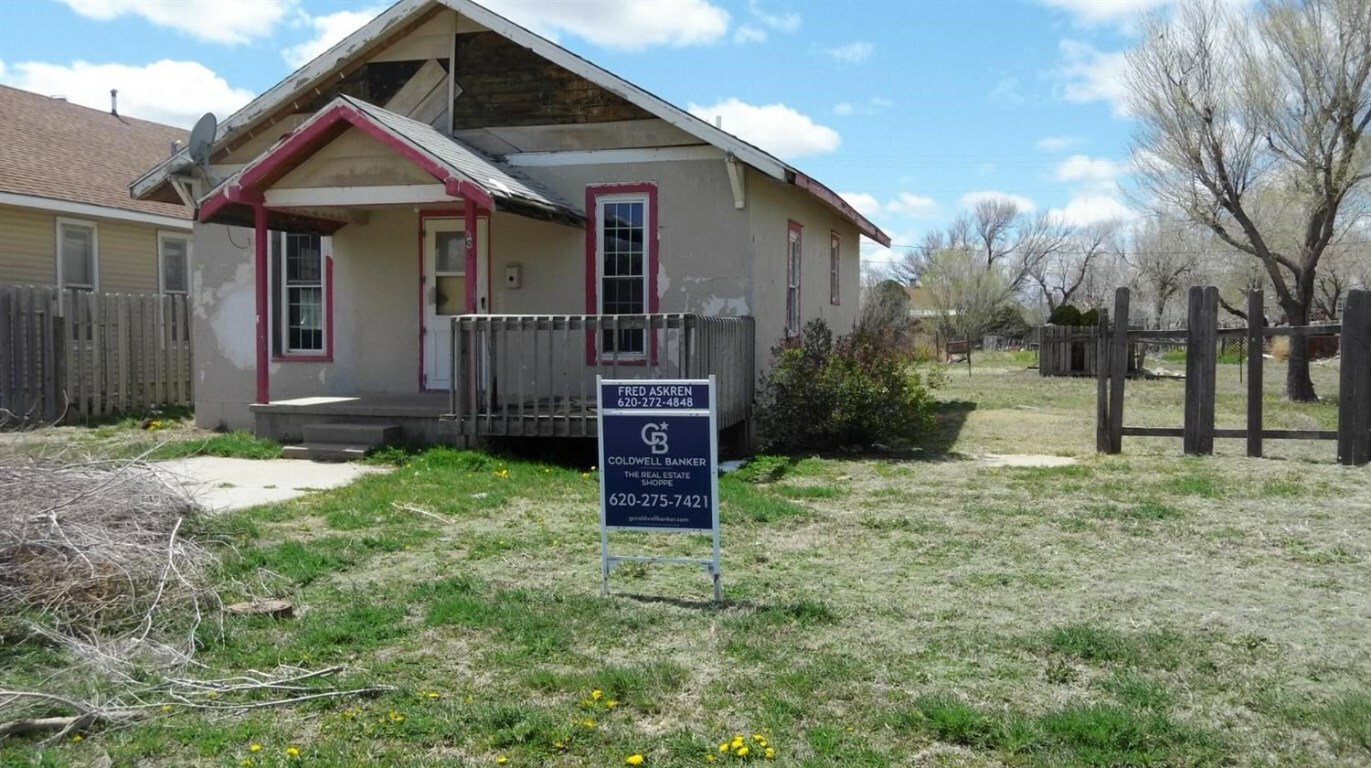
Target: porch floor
point(413, 404)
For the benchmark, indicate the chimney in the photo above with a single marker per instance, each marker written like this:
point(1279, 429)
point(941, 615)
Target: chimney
point(114, 101)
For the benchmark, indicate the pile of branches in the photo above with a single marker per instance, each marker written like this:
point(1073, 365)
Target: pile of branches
point(93, 553)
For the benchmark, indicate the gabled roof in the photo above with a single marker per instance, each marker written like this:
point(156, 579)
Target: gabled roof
point(396, 19)
point(464, 171)
point(56, 150)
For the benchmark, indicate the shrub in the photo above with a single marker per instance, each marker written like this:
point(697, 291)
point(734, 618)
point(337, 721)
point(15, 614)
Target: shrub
point(1090, 317)
point(1066, 314)
point(824, 393)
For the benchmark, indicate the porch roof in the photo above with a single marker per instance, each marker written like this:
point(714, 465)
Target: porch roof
point(464, 172)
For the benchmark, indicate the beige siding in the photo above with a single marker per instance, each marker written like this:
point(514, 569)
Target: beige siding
point(28, 246)
point(126, 251)
point(355, 159)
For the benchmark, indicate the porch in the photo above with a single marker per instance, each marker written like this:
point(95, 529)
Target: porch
point(534, 375)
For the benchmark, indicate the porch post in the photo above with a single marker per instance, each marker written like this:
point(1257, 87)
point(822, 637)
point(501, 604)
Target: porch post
point(259, 221)
point(469, 215)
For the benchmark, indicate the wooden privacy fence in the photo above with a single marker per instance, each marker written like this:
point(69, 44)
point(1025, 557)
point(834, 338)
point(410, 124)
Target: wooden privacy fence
point(1201, 337)
point(77, 354)
point(1065, 350)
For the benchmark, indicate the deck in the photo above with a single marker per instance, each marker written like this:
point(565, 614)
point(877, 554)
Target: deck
point(419, 414)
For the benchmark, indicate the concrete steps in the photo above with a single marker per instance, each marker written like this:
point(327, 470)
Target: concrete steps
point(341, 440)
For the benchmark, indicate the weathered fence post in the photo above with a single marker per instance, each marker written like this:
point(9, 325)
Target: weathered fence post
point(1256, 305)
point(1201, 362)
point(1354, 391)
point(1102, 440)
point(1118, 370)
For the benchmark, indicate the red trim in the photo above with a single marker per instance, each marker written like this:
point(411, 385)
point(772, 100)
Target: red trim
point(795, 228)
point(320, 130)
point(835, 267)
point(327, 357)
point(832, 199)
point(469, 246)
point(259, 219)
point(424, 216)
point(592, 277)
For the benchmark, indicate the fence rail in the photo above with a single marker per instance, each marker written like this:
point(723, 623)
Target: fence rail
point(534, 375)
point(76, 354)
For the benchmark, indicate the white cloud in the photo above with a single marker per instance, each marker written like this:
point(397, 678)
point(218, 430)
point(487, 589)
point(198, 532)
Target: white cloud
point(851, 53)
point(880, 103)
point(775, 128)
point(236, 22)
point(842, 108)
point(1106, 11)
point(1092, 171)
point(171, 92)
point(1058, 143)
point(970, 199)
point(1089, 75)
point(747, 33)
point(628, 25)
point(328, 29)
point(912, 205)
point(787, 21)
point(866, 205)
point(1006, 91)
point(870, 107)
point(1091, 209)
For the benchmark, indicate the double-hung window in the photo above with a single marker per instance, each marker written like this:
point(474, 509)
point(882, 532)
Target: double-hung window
point(792, 279)
point(173, 263)
point(624, 240)
point(78, 266)
point(835, 243)
point(300, 299)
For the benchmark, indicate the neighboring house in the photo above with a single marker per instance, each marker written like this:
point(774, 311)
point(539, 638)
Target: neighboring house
point(921, 304)
point(444, 162)
point(66, 218)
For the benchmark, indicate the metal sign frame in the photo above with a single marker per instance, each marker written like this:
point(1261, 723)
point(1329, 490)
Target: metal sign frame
point(608, 561)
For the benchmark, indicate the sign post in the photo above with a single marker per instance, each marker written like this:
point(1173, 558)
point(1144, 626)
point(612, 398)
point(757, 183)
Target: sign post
point(659, 462)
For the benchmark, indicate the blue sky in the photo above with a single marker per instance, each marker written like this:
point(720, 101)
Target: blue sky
point(909, 109)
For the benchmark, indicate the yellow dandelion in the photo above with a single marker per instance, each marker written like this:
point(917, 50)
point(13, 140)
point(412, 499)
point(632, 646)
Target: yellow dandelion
point(395, 717)
point(769, 753)
point(585, 475)
point(166, 707)
point(742, 751)
point(292, 752)
point(737, 741)
point(76, 737)
point(434, 694)
point(247, 762)
point(558, 745)
point(588, 723)
point(710, 758)
point(634, 759)
point(596, 694)
point(255, 747)
point(723, 747)
point(611, 704)
point(502, 759)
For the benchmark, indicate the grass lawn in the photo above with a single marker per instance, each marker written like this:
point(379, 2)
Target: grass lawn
point(1143, 609)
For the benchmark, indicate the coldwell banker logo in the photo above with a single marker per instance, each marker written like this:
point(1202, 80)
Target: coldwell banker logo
point(654, 436)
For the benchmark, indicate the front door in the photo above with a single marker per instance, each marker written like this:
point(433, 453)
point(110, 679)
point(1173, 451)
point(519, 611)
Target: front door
point(445, 291)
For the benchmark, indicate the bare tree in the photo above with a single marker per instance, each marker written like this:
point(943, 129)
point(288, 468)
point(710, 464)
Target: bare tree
point(1070, 266)
point(1227, 104)
point(1164, 257)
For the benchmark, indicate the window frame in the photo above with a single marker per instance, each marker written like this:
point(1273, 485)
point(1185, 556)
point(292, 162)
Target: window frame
point(597, 195)
point(94, 227)
point(794, 271)
point(835, 262)
point(278, 313)
point(162, 237)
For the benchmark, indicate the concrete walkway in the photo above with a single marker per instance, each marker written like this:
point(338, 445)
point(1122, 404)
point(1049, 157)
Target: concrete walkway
point(219, 485)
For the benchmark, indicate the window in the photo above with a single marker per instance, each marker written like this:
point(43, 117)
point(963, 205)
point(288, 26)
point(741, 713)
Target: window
point(173, 263)
point(77, 255)
point(623, 258)
point(792, 280)
point(835, 242)
point(299, 305)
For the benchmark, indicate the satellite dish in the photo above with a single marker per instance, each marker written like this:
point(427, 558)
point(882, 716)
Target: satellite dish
point(202, 138)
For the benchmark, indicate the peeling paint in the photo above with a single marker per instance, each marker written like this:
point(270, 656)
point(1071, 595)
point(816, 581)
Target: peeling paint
point(724, 307)
point(663, 280)
point(231, 316)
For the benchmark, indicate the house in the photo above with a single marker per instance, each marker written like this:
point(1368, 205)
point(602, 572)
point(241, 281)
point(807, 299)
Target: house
point(66, 218)
point(451, 224)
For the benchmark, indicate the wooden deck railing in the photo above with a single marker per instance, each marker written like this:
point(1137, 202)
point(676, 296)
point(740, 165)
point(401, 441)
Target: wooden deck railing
point(534, 375)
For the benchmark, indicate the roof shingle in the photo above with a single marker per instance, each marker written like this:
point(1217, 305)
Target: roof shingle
point(52, 148)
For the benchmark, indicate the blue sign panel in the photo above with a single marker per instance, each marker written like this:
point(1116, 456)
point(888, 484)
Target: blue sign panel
point(656, 396)
point(658, 471)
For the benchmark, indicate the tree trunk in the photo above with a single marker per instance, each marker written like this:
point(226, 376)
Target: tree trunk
point(1299, 388)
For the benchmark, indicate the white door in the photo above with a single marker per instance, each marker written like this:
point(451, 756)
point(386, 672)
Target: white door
point(445, 291)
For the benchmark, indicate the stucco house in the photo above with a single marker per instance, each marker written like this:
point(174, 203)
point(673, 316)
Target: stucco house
point(449, 224)
point(66, 218)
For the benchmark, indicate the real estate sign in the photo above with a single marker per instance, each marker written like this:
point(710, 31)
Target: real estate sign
point(659, 462)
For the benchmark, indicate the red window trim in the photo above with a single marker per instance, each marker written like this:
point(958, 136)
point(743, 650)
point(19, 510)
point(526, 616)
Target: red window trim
point(592, 275)
point(835, 268)
point(327, 357)
point(795, 228)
